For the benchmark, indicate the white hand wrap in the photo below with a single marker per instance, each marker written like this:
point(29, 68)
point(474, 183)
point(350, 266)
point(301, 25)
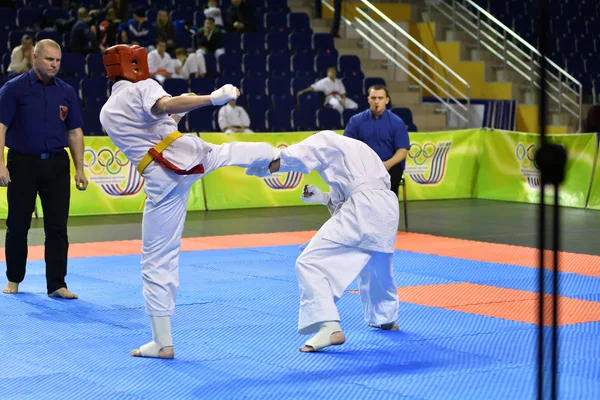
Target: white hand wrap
point(223, 94)
point(318, 196)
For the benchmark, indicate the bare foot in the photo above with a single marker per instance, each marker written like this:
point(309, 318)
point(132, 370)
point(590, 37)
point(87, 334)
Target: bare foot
point(11, 288)
point(165, 352)
point(63, 293)
point(335, 339)
point(390, 327)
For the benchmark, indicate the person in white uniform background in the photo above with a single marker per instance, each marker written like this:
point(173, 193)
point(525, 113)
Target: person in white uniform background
point(356, 242)
point(136, 118)
point(234, 119)
point(187, 65)
point(334, 90)
point(160, 63)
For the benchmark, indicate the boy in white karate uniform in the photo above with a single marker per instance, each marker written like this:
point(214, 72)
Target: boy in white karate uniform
point(136, 118)
point(234, 119)
point(334, 90)
point(356, 242)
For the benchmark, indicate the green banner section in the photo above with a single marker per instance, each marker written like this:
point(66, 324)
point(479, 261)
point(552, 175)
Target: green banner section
point(442, 165)
point(508, 170)
point(594, 198)
point(114, 185)
point(230, 187)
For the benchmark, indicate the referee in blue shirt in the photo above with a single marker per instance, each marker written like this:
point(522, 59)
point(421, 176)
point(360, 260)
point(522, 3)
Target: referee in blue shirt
point(383, 131)
point(39, 117)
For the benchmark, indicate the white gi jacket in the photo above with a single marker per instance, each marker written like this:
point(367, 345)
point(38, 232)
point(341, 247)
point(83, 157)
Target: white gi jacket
point(130, 124)
point(365, 211)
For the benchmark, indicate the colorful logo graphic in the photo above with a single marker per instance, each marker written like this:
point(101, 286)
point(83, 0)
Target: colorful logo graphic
point(113, 172)
point(283, 181)
point(426, 164)
point(529, 169)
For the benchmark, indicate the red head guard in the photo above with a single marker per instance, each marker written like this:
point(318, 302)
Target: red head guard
point(128, 62)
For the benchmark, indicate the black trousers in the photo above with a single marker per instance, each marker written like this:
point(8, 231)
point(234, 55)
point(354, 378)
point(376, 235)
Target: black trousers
point(396, 173)
point(337, 14)
point(50, 178)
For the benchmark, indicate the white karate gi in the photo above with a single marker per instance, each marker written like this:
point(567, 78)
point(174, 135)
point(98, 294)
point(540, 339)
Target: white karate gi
point(156, 63)
point(235, 117)
point(357, 241)
point(214, 12)
point(132, 127)
point(194, 64)
point(333, 91)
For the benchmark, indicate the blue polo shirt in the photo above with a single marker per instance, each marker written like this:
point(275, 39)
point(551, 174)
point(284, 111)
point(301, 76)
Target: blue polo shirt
point(38, 116)
point(384, 134)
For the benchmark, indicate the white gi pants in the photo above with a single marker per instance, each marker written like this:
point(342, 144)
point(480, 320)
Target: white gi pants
point(325, 269)
point(336, 103)
point(163, 222)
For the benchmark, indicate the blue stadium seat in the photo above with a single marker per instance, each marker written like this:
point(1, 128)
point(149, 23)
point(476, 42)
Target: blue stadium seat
point(202, 86)
point(300, 42)
point(349, 67)
point(303, 120)
point(277, 42)
point(52, 14)
point(301, 83)
point(278, 122)
point(324, 61)
point(232, 43)
point(328, 118)
point(176, 87)
point(94, 65)
point(303, 64)
point(257, 120)
point(230, 63)
point(406, 115)
point(347, 114)
point(278, 86)
point(298, 22)
point(279, 64)
point(283, 103)
point(254, 66)
point(29, 17)
point(48, 35)
point(275, 22)
point(72, 65)
point(323, 42)
point(310, 101)
point(93, 93)
point(200, 120)
point(253, 43)
point(277, 5)
point(253, 86)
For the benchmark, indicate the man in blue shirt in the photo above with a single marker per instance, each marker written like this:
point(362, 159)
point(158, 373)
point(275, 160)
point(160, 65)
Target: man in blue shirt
point(83, 38)
point(39, 117)
point(383, 131)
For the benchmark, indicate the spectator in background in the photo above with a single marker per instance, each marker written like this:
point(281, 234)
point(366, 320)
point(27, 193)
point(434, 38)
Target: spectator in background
point(83, 38)
point(120, 8)
point(213, 11)
point(209, 38)
point(337, 14)
point(165, 30)
point(109, 30)
point(592, 122)
point(138, 29)
point(188, 66)
point(160, 63)
point(240, 17)
point(21, 57)
point(234, 119)
point(334, 90)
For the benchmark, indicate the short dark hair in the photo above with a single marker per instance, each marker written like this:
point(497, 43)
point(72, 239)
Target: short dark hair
point(378, 86)
point(27, 37)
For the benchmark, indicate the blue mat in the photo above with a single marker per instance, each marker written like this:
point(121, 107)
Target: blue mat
point(235, 336)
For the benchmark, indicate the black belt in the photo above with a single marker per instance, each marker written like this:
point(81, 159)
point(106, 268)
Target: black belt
point(41, 156)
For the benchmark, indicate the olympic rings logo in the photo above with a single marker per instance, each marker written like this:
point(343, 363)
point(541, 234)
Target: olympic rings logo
point(104, 160)
point(526, 156)
point(420, 154)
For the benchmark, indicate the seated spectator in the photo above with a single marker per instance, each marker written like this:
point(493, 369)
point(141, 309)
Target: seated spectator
point(138, 29)
point(109, 30)
point(209, 37)
point(188, 66)
point(165, 30)
point(160, 63)
point(334, 90)
point(240, 17)
point(21, 57)
point(213, 11)
point(234, 119)
point(83, 38)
